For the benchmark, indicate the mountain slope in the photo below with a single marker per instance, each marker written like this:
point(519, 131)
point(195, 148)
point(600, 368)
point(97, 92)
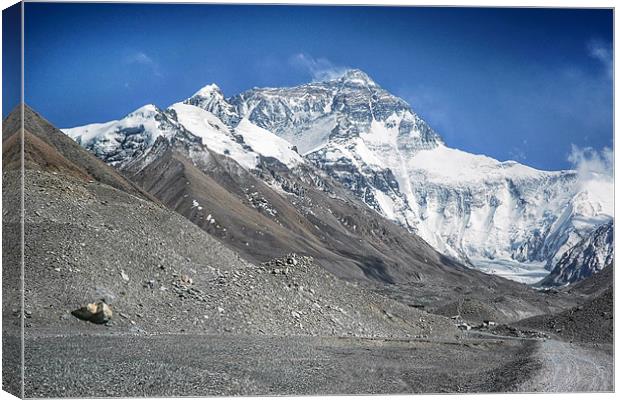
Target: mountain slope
point(590, 322)
point(51, 150)
point(86, 240)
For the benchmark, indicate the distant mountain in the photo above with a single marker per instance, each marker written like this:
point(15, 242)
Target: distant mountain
point(372, 143)
point(585, 259)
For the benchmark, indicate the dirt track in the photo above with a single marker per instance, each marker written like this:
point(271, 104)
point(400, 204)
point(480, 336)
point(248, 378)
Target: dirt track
point(568, 367)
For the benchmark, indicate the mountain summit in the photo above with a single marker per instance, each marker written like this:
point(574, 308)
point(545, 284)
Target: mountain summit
point(356, 77)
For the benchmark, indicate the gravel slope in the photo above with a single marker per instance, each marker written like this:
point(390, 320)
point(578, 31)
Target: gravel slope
point(86, 241)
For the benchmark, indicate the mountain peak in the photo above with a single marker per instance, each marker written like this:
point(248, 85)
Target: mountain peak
point(357, 77)
point(208, 91)
point(146, 109)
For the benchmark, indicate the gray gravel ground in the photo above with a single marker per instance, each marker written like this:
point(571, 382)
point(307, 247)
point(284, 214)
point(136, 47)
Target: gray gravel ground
point(202, 365)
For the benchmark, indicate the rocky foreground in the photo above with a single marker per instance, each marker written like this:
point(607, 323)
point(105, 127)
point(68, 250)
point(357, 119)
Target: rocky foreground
point(204, 365)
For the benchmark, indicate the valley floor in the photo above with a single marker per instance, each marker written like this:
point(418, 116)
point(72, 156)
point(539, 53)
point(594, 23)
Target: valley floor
point(202, 365)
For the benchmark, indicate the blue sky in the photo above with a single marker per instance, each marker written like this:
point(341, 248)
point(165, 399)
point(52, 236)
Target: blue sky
point(11, 57)
point(522, 84)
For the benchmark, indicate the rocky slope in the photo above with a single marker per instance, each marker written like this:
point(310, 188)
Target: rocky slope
point(586, 258)
point(119, 248)
point(591, 322)
point(594, 285)
point(12, 294)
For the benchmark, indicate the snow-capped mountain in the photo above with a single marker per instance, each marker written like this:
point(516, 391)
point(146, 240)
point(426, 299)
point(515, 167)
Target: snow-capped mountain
point(467, 206)
point(586, 258)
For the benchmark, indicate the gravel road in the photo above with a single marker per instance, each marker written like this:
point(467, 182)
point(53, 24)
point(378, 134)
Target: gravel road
point(202, 365)
point(570, 367)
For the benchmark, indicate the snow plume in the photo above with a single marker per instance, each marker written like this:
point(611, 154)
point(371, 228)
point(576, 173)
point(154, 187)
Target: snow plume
point(320, 69)
point(592, 164)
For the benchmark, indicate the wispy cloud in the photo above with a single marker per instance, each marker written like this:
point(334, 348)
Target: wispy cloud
point(319, 69)
point(591, 163)
point(517, 153)
point(141, 58)
point(603, 52)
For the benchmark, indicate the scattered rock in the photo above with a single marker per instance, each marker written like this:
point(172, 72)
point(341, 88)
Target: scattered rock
point(185, 280)
point(97, 313)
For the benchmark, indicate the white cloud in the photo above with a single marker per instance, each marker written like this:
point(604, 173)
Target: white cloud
point(603, 52)
point(592, 164)
point(320, 69)
point(141, 58)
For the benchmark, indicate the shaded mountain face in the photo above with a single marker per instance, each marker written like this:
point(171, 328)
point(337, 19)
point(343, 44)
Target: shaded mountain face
point(586, 258)
point(356, 135)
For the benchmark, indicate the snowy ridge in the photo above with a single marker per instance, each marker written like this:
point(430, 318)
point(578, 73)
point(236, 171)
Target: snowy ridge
point(214, 134)
point(122, 142)
point(211, 98)
point(117, 142)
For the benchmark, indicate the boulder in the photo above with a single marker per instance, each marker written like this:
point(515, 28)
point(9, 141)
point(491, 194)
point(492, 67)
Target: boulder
point(97, 313)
